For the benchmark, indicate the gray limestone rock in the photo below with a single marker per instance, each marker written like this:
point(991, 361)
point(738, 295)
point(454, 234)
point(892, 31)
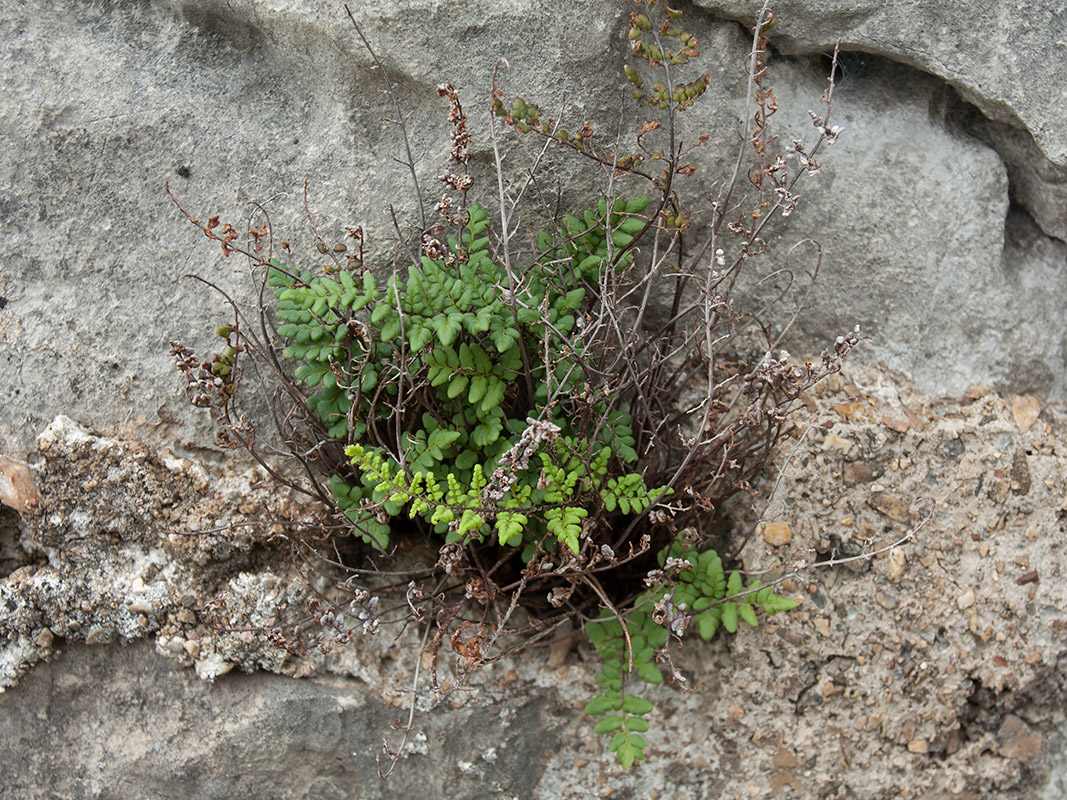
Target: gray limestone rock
point(919, 245)
point(145, 729)
point(1006, 58)
point(1037, 184)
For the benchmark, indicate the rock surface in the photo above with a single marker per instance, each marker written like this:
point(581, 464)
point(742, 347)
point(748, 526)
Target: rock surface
point(929, 242)
point(1000, 56)
point(938, 667)
point(149, 730)
point(246, 100)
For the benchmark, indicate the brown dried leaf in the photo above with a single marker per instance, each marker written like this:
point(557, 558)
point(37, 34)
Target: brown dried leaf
point(1025, 409)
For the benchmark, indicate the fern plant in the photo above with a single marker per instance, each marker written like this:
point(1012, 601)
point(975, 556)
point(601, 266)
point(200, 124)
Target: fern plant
point(517, 407)
point(492, 459)
point(700, 593)
point(451, 332)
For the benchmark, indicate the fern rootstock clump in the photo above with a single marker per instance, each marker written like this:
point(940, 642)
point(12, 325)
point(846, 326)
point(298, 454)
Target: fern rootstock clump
point(500, 392)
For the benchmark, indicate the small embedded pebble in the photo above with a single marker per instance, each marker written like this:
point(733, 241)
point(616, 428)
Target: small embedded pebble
point(857, 472)
point(894, 424)
point(1029, 577)
point(835, 442)
point(894, 567)
point(893, 507)
point(777, 534)
point(850, 410)
point(915, 420)
point(1015, 739)
point(888, 603)
point(965, 600)
point(186, 617)
point(17, 489)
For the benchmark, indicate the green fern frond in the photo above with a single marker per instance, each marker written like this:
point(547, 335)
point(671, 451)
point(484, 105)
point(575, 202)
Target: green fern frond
point(701, 590)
